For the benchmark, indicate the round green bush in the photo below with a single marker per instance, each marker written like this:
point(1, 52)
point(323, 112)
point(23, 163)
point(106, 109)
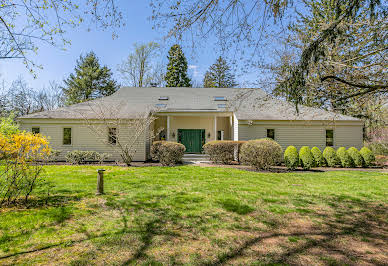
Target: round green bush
point(378, 148)
point(318, 157)
point(291, 158)
point(171, 153)
point(306, 158)
point(356, 156)
point(344, 157)
point(261, 153)
point(330, 157)
point(368, 156)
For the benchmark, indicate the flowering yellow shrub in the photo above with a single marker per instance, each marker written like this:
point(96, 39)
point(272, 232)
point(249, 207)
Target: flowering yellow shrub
point(20, 169)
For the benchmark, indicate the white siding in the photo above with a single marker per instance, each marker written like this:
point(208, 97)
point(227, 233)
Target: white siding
point(304, 134)
point(83, 138)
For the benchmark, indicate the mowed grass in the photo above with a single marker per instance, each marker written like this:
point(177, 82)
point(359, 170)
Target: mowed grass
point(199, 216)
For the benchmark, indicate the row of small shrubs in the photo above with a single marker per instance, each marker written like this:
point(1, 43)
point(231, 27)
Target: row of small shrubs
point(223, 151)
point(168, 153)
point(81, 157)
point(307, 158)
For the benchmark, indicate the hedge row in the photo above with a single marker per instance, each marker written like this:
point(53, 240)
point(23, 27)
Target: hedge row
point(168, 153)
point(81, 157)
point(307, 158)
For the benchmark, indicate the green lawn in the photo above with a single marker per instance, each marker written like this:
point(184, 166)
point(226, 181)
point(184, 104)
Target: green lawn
point(200, 216)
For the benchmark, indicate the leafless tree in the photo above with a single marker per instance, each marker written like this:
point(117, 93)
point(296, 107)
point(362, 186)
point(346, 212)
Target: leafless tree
point(122, 134)
point(24, 23)
point(142, 67)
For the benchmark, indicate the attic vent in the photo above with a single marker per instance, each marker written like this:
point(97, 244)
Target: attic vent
point(161, 105)
point(220, 98)
point(163, 98)
point(222, 105)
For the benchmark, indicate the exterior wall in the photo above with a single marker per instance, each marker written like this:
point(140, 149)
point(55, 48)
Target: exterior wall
point(83, 138)
point(301, 133)
point(195, 122)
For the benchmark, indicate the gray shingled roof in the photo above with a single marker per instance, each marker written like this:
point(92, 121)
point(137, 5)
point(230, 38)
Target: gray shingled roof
point(247, 104)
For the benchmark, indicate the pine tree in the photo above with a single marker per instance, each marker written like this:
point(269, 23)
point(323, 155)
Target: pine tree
point(176, 75)
point(89, 82)
point(219, 75)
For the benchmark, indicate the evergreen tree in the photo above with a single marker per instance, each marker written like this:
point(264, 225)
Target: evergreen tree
point(219, 75)
point(176, 75)
point(89, 82)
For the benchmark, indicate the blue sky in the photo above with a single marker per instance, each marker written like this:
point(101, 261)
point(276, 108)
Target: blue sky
point(58, 64)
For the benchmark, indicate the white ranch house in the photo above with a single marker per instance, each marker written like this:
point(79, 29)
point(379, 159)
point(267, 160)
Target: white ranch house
point(194, 116)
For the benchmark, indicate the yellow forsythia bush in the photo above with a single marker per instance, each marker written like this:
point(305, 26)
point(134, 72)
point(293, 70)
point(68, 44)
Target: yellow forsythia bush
point(20, 167)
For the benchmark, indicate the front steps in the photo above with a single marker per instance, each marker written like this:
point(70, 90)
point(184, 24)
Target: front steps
point(195, 158)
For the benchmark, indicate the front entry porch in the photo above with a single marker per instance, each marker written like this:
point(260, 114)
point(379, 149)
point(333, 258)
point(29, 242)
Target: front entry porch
point(194, 130)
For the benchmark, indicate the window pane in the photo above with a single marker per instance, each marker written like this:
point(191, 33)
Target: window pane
point(329, 137)
point(67, 136)
point(112, 136)
point(35, 130)
point(271, 133)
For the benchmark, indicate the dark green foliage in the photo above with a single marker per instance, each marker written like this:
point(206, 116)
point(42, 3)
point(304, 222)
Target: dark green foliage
point(306, 158)
point(176, 75)
point(168, 153)
point(344, 158)
point(356, 156)
point(261, 153)
point(291, 158)
point(219, 75)
point(368, 156)
point(223, 151)
point(89, 82)
point(330, 157)
point(318, 157)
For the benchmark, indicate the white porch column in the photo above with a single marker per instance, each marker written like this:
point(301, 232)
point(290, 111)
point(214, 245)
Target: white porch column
point(235, 127)
point(168, 128)
point(215, 127)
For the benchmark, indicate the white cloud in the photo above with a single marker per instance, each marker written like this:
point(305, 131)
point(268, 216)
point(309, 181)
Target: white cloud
point(194, 68)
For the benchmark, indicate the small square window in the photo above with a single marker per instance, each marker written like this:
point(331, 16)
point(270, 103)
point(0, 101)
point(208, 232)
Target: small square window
point(329, 137)
point(219, 98)
point(161, 105)
point(163, 98)
point(35, 130)
point(67, 136)
point(222, 105)
point(271, 133)
point(112, 136)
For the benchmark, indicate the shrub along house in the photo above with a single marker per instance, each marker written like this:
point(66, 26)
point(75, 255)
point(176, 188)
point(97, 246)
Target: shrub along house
point(194, 116)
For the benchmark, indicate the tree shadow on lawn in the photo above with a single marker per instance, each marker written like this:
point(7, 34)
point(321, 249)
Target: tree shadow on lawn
point(349, 231)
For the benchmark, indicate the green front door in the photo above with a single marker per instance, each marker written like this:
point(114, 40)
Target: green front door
point(193, 139)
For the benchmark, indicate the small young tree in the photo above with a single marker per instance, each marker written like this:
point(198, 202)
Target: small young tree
point(89, 82)
point(176, 75)
point(107, 123)
point(219, 75)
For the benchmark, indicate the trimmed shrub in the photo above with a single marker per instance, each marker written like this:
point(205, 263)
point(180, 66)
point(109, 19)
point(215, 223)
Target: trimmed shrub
point(223, 151)
point(344, 158)
point(291, 158)
point(356, 156)
point(155, 150)
point(261, 153)
point(306, 158)
point(330, 157)
point(318, 157)
point(171, 153)
point(81, 157)
point(368, 156)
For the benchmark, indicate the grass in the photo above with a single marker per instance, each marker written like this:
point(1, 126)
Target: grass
point(199, 216)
